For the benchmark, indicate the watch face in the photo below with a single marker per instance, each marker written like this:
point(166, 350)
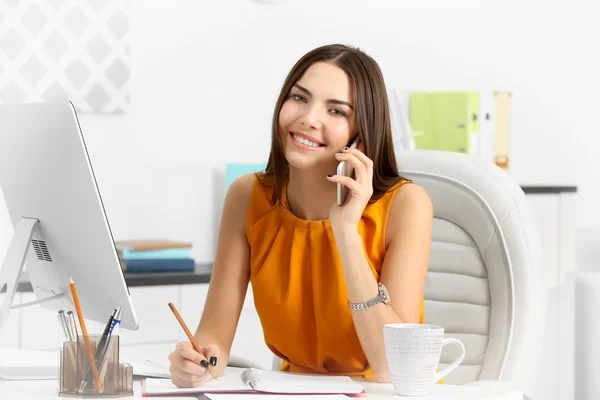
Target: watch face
point(384, 293)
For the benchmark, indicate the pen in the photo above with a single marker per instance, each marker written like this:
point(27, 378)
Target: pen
point(63, 322)
point(100, 349)
point(190, 337)
point(73, 325)
point(68, 347)
point(105, 334)
point(88, 345)
point(114, 329)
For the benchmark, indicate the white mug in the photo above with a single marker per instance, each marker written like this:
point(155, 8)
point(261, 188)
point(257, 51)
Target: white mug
point(413, 354)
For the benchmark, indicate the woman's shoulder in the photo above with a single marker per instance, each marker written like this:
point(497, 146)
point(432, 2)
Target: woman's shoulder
point(253, 192)
point(409, 194)
point(411, 204)
point(241, 188)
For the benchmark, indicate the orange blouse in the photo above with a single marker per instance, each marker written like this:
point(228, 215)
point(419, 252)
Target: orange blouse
point(298, 284)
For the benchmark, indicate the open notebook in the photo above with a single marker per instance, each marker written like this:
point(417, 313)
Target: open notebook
point(241, 380)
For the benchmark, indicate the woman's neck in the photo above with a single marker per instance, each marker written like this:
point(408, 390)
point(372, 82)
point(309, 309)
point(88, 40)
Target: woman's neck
point(310, 194)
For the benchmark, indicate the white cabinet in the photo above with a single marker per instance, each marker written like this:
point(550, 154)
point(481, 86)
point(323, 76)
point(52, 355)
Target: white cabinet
point(248, 342)
point(193, 298)
point(555, 217)
point(156, 321)
point(40, 328)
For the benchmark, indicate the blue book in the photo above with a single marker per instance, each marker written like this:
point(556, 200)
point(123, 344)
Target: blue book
point(167, 265)
point(159, 254)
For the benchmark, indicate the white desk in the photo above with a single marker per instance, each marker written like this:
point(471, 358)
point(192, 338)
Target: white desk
point(45, 390)
point(48, 389)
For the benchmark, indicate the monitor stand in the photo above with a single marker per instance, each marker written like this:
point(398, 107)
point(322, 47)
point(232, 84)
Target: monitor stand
point(15, 363)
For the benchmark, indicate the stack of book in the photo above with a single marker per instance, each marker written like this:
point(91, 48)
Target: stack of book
point(155, 256)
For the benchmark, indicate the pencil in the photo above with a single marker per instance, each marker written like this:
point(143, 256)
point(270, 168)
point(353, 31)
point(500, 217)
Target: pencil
point(88, 345)
point(191, 337)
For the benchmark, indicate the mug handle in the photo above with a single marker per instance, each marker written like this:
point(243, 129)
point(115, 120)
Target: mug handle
point(455, 363)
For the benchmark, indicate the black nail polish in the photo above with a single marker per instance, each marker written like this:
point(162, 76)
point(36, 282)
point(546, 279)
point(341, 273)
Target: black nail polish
point(213, 361)
point(204, 363)
point(330, 175)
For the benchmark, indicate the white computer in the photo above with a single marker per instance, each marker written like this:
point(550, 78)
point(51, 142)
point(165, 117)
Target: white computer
point(60, 226)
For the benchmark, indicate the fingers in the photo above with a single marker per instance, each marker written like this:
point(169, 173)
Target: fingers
point(211, 352)
point(359, 167)
point(185, 361)
point(189, 368)
point(362, 157)
point(350, 183)
point(181, 378)
point(186, 350)
point(362, 164)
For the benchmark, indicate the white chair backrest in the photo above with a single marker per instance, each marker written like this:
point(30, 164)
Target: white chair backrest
point(485, 284)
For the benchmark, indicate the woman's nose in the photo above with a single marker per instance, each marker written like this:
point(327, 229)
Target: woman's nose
point(312, 118)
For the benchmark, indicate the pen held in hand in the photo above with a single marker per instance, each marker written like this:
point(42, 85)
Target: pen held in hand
point(191, 338)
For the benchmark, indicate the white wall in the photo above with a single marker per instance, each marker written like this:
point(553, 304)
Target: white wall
point(206, 74)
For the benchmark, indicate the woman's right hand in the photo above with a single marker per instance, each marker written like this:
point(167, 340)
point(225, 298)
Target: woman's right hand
point(189, 368)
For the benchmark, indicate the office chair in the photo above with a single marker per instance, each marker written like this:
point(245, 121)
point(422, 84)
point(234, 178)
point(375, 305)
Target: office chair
point(485, 282)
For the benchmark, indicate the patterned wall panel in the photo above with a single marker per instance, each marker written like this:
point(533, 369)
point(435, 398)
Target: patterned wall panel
point(65, 49)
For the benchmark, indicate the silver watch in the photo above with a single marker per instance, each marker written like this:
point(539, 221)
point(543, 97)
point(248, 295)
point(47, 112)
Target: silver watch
point(382, 297)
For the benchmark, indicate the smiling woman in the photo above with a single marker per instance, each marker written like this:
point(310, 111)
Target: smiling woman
point(326, 278)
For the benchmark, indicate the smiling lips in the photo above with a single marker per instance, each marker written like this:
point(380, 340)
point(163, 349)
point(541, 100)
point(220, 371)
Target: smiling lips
point(305, 142)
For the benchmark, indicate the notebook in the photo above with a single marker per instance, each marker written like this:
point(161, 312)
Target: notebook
point(242, 380)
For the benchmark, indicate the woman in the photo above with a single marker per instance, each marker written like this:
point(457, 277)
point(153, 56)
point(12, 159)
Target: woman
point(326, 278)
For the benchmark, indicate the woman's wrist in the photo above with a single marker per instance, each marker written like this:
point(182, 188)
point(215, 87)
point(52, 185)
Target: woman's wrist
point(348, 239)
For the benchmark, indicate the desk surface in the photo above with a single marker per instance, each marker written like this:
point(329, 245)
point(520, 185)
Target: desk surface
point(42, 390)
point(490, 390)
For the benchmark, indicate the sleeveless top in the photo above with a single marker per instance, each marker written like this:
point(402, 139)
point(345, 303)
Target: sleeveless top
point(298, 284)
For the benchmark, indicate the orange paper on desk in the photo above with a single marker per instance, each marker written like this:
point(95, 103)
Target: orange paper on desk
point(241, 380)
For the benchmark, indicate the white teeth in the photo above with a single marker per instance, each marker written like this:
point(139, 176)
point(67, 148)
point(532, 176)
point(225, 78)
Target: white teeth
point(306, 141)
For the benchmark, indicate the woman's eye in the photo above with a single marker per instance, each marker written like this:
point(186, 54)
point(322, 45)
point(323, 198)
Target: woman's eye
point(337, 111)
point(297, 97)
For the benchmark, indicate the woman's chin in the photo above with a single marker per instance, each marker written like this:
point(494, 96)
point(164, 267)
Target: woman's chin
point(309, 163)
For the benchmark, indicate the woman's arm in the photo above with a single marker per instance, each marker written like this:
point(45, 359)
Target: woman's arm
point(230, 274)
point(403, 273)
point(408, 240)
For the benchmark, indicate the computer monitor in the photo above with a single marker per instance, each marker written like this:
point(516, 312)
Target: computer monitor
point(61, 229)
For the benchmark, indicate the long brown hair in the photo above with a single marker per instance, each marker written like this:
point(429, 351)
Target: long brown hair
point(372, 117)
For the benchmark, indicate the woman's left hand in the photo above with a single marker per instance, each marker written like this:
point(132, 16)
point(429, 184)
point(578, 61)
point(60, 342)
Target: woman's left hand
point(344, 219)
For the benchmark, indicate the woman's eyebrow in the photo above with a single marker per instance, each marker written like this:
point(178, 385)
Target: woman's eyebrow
point(333, 101)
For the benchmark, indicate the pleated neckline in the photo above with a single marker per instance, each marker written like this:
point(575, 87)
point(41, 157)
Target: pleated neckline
point(288, 215)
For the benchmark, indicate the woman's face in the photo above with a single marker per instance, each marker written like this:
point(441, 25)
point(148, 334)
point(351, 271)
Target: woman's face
point(317, 119)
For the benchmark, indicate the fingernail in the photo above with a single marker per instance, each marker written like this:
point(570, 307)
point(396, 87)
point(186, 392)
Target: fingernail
point(339, 154)
point(329, 175)
point(204, 363)
point(213, 361)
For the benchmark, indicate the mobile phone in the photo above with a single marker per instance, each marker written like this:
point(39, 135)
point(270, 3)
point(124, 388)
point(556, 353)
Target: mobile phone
point(345, 169)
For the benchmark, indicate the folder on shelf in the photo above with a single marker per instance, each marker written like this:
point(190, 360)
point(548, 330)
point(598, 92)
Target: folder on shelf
point(445, 120)
point(150, 244)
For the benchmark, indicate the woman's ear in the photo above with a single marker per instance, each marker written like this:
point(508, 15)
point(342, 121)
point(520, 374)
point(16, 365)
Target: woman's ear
point(361, 147)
